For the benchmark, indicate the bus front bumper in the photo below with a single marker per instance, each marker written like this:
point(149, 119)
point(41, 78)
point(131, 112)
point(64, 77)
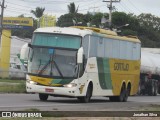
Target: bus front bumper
point(64, 91)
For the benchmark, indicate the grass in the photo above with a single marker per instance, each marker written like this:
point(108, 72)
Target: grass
point(12, 81)
point(12, 86)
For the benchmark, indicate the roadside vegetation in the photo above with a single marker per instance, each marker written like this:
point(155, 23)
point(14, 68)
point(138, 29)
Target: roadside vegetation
point(12, 86)
point(145, 26)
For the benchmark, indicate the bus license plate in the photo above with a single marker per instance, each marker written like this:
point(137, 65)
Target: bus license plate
point(49, 90)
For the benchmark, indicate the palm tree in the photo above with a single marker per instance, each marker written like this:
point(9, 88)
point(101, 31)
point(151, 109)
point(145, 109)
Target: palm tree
point(38, 12)
point(72, 8)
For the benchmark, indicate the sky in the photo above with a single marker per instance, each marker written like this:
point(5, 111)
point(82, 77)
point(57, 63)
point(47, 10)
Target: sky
point(15, 8)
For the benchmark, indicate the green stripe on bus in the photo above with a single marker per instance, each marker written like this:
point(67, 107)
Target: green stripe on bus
point(107, 73)
point(104, 73)
point(101, 73)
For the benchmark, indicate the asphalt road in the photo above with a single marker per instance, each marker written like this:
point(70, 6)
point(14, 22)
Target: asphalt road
point(15, 102)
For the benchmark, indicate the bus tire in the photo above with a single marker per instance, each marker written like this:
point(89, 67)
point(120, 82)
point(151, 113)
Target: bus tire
point(123, 95)
point(126, 96)
point(127, 93)
point(113, 98)
point(86, 99)
point(43, 97)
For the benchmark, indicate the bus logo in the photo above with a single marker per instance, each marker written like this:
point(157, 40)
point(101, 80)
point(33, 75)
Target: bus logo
point(121, 67)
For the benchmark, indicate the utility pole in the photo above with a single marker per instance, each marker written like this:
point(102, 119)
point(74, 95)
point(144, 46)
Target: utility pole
point(1, 20)
point(110, 9)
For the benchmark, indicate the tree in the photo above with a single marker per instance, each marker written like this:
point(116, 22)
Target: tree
point(149, 32)
point(21, 16)
point(149, 20)
point(88, 17)
point(66, 20)
point(72, 18)
point(120, 19)
point(96, 19)
point(38, 12)
point(72, 8)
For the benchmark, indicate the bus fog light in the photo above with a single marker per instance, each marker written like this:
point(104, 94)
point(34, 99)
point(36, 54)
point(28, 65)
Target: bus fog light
point(70, 85)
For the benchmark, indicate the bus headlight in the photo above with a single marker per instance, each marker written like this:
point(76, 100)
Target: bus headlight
point(31, 82)
point(70, 85)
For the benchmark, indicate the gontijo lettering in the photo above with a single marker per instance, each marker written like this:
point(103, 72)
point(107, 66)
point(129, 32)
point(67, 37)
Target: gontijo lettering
point(121, 66)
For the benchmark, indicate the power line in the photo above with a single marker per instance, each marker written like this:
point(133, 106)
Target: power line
point(19, 12)
point(21, 40)
point(20, 5)
point(6, 35)
point(15, 38)
point(135, 6)
point(58, 2)
point(91, 8)
point(89, 4)
point(20, 9)
point(122, 8)
point(125, 7)
point(27, 7)
point(54, 1)
point(49, 3)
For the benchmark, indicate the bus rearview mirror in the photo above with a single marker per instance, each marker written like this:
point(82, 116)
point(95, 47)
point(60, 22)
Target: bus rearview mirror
point(29, 45)
point(80, 55)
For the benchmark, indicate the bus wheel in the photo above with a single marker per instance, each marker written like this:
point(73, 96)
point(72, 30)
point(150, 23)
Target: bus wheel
point(126, 94)
point(123, 95)
point(86, 99)
point(113, 98)
point(43, 97)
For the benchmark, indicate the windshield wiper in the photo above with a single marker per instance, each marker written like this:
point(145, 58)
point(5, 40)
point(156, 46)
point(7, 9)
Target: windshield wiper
point(58, 68)
point(54, 62)
point(42, 70)
point(51, 62)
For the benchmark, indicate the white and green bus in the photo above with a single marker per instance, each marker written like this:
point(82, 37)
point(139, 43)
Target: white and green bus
point(83, 62)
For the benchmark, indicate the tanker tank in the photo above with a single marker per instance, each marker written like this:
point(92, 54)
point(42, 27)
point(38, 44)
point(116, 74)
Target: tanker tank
point(150, 73)
point(150, 63)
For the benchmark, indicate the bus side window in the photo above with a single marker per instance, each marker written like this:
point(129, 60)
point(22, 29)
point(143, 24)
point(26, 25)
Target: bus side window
point(93, 46)
point(85, 45)
point(100, 47)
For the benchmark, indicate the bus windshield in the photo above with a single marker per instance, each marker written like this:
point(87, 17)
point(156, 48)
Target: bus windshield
point(52, 62)
point(54, 55)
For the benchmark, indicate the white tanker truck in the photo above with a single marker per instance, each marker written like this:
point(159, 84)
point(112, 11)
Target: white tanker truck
point(150, 73)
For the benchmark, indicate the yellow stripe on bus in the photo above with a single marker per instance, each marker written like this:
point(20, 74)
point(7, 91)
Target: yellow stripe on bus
point(40, 80)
